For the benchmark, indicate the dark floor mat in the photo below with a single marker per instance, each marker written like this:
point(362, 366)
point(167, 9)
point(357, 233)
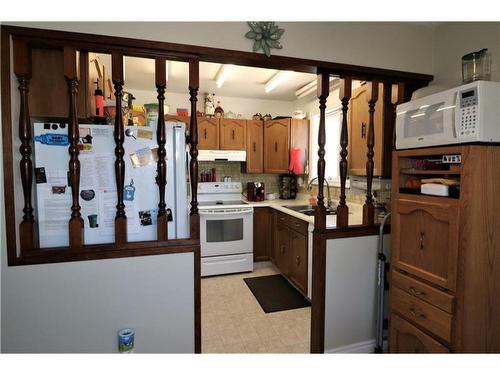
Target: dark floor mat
point(275, 293)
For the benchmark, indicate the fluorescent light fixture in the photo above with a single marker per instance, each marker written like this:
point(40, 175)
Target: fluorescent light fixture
point(418, 115)
point(310, 88)
point(166, 70)
point(424, 106)
point(222, 74)
point(276, 80)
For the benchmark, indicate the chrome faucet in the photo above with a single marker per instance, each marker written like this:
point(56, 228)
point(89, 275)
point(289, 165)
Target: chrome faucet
point(329, 200)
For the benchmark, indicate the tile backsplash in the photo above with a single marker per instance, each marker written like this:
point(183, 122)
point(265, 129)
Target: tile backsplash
point(233, 169)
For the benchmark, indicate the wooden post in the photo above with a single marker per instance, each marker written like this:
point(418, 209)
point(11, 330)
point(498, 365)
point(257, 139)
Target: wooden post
point(342, 208)
point(75, 226)
point(368, 208)
point(119, 134)
point(397, 97)
point(161, 83)
point(323, 92)
point(194, 84)
point(22, 69)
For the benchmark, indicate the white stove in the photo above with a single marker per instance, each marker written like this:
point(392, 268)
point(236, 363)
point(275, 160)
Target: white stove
point(226, 229)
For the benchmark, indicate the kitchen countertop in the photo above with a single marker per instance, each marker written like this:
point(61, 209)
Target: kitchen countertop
point(355, 210)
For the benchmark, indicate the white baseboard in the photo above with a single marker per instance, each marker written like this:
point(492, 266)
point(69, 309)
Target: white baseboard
point(363, 347)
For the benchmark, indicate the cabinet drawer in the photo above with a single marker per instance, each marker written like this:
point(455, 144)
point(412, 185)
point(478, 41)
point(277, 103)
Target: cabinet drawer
point(406, 338)
point(421, 313)
point(423, 291)
point(298, 225)
point(282, 218)
point(426, 240)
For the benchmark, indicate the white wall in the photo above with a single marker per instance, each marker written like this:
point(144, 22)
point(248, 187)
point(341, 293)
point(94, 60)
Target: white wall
point(392, 45)
point(453, 40)
point(79, 307)
point(246, 106)
point(350, 303)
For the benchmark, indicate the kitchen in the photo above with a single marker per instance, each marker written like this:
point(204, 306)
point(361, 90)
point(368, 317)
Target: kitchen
point(286, 236)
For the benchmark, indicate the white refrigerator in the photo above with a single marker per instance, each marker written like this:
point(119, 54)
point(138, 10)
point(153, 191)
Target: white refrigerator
point(98, 197)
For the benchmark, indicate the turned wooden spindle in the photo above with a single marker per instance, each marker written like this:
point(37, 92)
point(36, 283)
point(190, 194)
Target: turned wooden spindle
point(323, 92)
point(22, 69)
point(161, 83)
point(119, 134)
point(75, 226)
point(368, 207)
point(397, 97)
point(342, 209)
point(193, 133)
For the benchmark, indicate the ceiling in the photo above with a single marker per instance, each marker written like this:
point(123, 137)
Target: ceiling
point(242, 81)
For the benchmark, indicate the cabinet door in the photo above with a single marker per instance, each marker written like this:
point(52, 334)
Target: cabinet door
point(255, 145)
point(262, 233)
point(358, 120)
point(426, 240)
point(282, 249)
point(276, 146)
point(298, 260)
point(208, 133)
point(232, 134)
point(406, 338)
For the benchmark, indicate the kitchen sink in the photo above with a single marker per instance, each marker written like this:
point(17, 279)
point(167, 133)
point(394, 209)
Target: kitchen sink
point(309, 210)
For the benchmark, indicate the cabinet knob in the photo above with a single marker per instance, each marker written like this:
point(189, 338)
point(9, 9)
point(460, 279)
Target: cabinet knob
point(297, 259)
point(422, 235)
point(415, 292)
point(282, 249)
point(275, 146)
point(205, 133)
point(254, 147)
point(233, 134)
point(416, 314)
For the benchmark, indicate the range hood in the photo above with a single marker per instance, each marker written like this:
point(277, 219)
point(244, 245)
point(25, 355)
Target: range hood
point(222, 155)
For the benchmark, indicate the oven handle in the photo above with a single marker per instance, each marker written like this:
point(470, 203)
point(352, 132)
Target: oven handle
point(235, 211)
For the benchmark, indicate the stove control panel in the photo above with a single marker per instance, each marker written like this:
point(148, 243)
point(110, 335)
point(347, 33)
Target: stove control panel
point(219, 187)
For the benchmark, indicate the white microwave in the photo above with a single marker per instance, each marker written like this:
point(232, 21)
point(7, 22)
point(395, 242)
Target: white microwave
point(465, 114)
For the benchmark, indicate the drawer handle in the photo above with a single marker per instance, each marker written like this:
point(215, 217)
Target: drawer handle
point(233, 134)
point(205, 133)
point(282, 249)
point(254, 147)
point(415, 292)
point(275, 146)
point(282, 218)
point(422, 235)
point(297, 260)
point(297, 224)
point(416, 314)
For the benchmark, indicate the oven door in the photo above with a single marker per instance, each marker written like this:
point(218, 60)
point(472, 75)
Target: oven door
point(226, 231)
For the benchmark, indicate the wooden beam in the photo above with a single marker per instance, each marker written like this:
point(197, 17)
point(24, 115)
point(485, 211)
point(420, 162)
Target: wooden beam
point(119, 134)
point(75, 227)
point(161, 83)
point(368, 207)
point(342, 209)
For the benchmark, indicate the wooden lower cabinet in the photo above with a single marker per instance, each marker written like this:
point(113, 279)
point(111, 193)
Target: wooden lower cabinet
point(445, 258)
point(406, 338)
point(263, 233)
point(290, 250)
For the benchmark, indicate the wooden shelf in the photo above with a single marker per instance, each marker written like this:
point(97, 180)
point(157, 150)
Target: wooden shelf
point(411, 171)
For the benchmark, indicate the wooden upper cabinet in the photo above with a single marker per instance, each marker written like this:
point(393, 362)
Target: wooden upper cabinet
point(426, 240)
point(299, 138)
point(276, 145)
point(232, 134)
point(358, 120)
point(255, 146)
point(208, 133)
